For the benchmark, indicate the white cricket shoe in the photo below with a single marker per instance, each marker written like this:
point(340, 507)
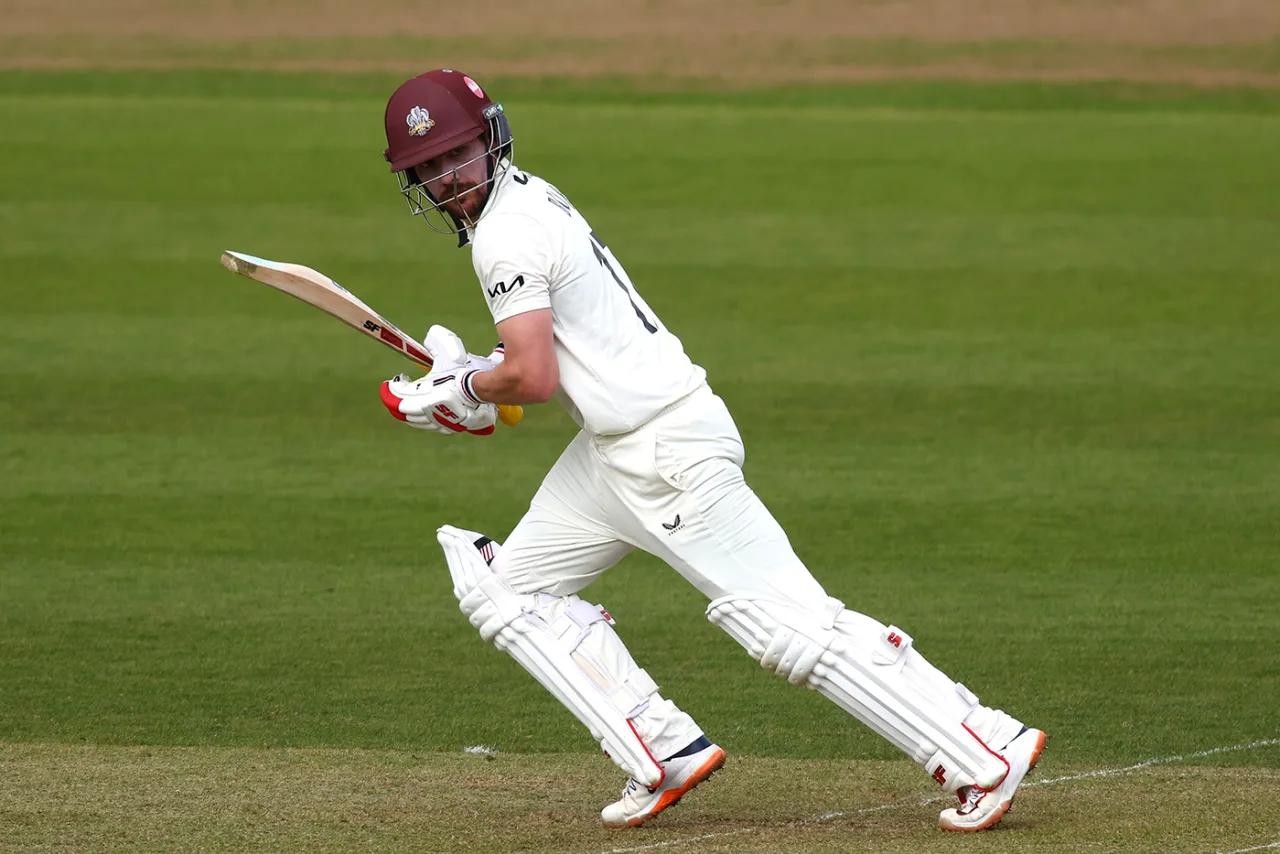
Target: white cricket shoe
point(982, 809)
point(682, 772)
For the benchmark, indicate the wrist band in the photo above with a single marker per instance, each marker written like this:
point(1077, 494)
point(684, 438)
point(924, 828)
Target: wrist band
point(467, 389)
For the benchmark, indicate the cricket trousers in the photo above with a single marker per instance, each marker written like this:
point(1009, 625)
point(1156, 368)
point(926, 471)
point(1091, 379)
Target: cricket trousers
point(674, 488)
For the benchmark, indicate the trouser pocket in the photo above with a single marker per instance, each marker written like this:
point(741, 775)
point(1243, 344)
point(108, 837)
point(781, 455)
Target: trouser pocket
point(687, 443)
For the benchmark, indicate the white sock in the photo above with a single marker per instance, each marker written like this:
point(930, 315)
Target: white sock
point(664, 728)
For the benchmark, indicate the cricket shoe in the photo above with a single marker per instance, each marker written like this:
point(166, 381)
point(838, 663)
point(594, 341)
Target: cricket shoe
point(682, 772)
point(982, 809)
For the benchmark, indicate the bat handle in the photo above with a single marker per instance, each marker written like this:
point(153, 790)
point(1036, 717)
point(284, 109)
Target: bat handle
point(510, 414)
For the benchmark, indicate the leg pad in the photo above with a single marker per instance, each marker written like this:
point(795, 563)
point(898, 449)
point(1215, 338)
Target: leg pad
point(568, 645)
point(871, 671)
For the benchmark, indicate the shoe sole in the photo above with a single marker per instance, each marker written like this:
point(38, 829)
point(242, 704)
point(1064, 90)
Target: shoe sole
point(670, 797)
point(999, 812)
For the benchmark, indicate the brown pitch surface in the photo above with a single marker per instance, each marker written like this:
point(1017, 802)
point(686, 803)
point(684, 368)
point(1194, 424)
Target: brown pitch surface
point(97, 798)
point(746, 42)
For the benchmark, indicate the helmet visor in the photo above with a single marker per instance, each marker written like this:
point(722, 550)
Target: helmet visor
point(446, 210)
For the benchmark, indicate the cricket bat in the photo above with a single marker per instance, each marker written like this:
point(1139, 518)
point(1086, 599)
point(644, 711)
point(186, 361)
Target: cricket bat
point(317, 289)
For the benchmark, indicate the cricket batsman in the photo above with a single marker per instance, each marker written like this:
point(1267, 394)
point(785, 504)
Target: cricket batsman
point(656, 465)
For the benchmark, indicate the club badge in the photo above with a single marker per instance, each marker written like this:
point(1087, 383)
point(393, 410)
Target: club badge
point(419, 121)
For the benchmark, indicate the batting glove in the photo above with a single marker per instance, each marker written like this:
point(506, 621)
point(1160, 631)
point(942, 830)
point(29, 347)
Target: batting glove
point(440, 401)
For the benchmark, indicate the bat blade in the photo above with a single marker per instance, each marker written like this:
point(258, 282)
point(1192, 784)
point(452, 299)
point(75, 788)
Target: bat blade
point(317, 289)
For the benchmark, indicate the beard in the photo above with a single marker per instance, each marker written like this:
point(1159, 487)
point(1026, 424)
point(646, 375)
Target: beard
point(466, 202)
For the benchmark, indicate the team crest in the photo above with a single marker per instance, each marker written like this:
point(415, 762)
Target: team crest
point(419, 121)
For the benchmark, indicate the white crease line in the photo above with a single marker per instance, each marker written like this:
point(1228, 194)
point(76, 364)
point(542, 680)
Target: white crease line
point(1275, 844)
point(1087, 775)
point(1158, 760)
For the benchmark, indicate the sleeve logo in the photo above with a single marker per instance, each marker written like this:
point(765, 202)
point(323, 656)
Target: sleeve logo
point(503, 287)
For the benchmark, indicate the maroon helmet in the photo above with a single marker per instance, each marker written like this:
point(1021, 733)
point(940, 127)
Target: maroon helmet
point(434, 113)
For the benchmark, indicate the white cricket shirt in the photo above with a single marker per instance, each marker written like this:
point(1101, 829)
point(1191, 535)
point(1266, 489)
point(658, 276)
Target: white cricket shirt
point(619, 366)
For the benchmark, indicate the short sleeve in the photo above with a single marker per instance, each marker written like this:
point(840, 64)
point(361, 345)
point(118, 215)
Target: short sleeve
point(512, 258)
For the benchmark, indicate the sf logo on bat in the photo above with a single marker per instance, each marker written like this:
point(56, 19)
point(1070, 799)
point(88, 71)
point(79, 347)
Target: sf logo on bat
point(393, 340)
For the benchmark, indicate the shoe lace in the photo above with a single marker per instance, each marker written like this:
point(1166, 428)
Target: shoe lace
point(969, 797)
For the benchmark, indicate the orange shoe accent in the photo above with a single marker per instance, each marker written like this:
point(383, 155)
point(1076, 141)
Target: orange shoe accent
point(670, 797)
point(1035, 753)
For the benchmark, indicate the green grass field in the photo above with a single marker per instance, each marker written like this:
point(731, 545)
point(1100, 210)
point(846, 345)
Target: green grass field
point(1004, 358)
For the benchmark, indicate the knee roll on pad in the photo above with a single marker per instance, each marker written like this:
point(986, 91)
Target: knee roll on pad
point(871, 671)
point(565, 643)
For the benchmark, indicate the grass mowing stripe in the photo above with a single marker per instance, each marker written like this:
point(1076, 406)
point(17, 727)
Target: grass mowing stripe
point(1053, 781)
point(363, 105)
point(1031, 97)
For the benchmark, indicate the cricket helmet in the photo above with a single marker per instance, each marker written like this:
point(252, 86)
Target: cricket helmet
point(430, 115)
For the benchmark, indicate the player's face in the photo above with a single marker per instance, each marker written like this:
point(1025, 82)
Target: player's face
point(457, 178)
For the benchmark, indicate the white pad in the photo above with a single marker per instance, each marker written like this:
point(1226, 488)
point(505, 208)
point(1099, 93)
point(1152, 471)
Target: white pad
point(869, 670)
point(568, 645)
